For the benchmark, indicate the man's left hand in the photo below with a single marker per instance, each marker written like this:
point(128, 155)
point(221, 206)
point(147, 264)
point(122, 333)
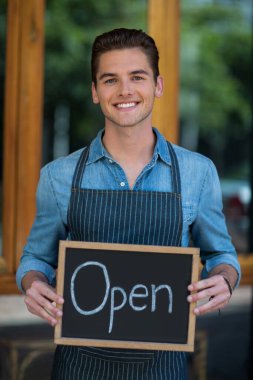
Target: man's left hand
point(216, 289)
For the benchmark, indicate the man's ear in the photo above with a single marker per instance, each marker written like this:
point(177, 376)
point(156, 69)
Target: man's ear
point(94, 94)
point(159, 87)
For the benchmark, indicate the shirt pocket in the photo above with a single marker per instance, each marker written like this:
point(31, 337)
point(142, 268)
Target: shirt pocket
point(188, 213)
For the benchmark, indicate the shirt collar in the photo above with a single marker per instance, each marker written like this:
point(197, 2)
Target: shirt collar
point(98, 151)
point(161, 148)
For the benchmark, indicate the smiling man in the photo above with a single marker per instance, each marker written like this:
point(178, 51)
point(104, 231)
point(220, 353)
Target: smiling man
point(127, 94)
point(128, 186)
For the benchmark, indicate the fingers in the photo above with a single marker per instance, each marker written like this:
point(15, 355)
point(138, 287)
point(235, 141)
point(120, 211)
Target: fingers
point(41, 300)
point(212, 305)
point(214, 289)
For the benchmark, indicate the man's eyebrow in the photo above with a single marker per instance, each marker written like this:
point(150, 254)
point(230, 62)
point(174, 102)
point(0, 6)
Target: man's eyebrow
point(106, 75)
point(135, 72)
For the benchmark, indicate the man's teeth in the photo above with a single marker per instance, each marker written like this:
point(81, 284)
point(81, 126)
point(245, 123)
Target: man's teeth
point(126, 105)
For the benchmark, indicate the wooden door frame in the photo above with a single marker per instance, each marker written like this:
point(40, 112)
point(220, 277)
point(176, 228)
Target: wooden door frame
point(22, 130)
point(164, 26)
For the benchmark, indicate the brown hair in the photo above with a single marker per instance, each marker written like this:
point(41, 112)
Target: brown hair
point(124, 39)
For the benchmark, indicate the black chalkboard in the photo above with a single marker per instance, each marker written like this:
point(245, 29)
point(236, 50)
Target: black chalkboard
point(126, 295)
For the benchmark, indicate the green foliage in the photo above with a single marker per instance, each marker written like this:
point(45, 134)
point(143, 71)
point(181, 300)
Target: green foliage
point(216, 67)
point(219, 41)
point(71, 26)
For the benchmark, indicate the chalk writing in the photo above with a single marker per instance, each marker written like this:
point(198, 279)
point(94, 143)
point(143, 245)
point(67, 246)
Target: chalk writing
point(137, 292)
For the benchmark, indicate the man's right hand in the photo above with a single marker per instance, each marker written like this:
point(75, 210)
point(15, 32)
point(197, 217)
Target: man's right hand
point(41, 298)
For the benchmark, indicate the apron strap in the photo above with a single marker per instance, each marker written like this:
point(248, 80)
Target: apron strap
point(175, 173)
point(80, 167)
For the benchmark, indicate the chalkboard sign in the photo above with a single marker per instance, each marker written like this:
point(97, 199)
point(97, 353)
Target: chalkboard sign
point(126, 296)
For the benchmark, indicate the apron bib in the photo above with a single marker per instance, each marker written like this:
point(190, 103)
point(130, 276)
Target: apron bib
point(127, 217)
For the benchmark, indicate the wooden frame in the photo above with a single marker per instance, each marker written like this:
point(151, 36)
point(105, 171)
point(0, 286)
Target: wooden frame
point(164, 26)
point(22, 130)
point(78, 252)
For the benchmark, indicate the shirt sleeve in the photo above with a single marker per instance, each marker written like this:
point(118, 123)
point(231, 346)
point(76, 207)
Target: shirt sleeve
point(41, 250)
point(209, 231)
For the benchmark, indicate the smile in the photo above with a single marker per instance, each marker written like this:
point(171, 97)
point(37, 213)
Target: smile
point(126, 105)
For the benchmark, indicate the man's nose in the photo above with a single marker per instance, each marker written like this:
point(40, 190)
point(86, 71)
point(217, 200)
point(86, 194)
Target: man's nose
point(125, 88)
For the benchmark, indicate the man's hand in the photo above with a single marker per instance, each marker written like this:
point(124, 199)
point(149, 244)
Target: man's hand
point(215, 289)
point(41, 298)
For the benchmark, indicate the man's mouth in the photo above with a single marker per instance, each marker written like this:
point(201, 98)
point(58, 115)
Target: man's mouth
point(126, 105)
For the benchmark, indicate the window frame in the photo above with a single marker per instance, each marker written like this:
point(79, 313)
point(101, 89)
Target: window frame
point(24, 110)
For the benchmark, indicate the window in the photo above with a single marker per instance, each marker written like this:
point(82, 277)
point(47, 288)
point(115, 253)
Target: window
point(65, 116)
point(71, 120)
point(215, 99)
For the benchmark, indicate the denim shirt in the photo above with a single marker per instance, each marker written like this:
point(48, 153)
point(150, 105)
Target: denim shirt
point(203, 221)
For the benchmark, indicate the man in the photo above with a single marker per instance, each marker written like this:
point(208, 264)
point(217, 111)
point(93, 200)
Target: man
point(105, 193)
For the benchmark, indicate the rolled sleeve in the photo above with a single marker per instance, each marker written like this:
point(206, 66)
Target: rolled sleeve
point(209, 230)
point(38, 266)
point(41, 250)
point(228, 259)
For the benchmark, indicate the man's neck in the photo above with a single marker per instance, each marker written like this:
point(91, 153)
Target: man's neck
point(131, 147)
point(130, 144)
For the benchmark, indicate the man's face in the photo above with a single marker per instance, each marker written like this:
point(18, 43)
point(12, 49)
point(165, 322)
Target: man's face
point(125, 88)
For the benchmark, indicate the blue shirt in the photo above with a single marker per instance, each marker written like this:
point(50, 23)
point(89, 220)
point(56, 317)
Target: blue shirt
point(203, 220)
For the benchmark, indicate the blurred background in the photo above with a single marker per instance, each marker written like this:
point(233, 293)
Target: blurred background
point(215, 118)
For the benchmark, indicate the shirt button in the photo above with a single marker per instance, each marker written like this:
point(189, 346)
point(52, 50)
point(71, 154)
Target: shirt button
point(122, 184)
point(111, 161)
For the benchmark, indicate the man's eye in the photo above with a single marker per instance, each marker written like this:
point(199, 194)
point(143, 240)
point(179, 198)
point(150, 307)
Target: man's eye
point(110, 81)
point(137, 78)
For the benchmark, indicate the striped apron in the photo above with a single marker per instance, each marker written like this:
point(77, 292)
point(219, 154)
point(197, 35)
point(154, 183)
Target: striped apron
point(129, 217)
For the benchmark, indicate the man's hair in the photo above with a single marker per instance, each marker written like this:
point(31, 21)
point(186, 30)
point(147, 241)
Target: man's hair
point(124, 39)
